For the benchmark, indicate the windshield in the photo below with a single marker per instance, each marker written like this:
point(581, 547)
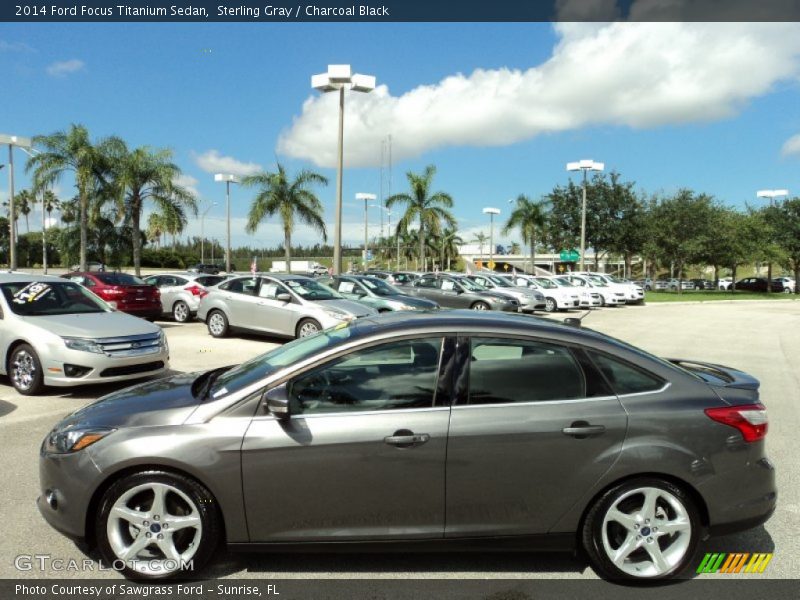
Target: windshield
point(616, 279)
point(597, 281)
point(379, 287)
point(259, 367)
point(45, 298)
point(564, 281)
point(470, 285)
point(500, 281)
point(546, 283)
point(119, 279)
point(308, 289)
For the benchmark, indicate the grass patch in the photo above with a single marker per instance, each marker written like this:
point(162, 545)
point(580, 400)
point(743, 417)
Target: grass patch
point(711, 295)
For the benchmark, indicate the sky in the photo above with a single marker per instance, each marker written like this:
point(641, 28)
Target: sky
point(499, 109)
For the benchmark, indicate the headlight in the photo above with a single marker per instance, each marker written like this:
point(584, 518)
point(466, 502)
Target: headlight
point(83, 345)
point(163, 340)
point(72, 440)
point(337, 314)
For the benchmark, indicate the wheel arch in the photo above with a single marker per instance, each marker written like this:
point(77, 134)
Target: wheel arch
point(94, 503)
point(692, 491)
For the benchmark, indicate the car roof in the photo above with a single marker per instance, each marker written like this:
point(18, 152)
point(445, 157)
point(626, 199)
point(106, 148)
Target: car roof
point(17, 277)
point(285, 276)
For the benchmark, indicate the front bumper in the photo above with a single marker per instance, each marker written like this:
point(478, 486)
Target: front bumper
point(100, 368)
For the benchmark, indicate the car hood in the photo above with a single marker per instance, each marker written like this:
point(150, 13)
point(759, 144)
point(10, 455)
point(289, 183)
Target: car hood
point(414, 301)
point(94, 325)
point(348, 306)
point(166, 401)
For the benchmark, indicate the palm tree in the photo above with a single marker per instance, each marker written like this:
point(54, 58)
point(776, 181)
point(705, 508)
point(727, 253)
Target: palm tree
point(530, 217)
point(155, 228)
point(480, 238)
point(515, 248)
point(290, 200)
point(450, 242)
point(24, 202)
point(147, 174)
point(430, 209)
point(72, 151)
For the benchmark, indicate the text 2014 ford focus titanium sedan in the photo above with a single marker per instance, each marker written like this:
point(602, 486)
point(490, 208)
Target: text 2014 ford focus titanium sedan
point(419, 429)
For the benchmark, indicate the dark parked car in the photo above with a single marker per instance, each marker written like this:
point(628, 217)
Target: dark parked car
point(209, 269)
point(453, 428)
point(758, 284)
point(703, 284)
point(376, 293)
point(126, 293)
point(457, 291)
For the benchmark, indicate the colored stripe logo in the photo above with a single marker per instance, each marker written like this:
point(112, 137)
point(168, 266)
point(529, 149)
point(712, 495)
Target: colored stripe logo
point(736, 562)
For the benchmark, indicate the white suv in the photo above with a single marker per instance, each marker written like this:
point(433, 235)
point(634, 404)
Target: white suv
point(609, 296)
point(634, 294)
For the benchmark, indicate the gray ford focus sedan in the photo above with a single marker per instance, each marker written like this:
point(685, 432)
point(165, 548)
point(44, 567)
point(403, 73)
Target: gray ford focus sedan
point(419, 430)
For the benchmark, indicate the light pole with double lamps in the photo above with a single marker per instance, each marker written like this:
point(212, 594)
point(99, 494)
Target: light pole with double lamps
point(585, 166)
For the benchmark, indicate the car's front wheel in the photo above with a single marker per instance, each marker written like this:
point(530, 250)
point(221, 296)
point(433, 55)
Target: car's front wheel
point(217, 323)
point(307, 327)
point(181, 312)
point(480, 306)
point(643, 529)
point(550, 305)
point(153, 525)
point(25, 370)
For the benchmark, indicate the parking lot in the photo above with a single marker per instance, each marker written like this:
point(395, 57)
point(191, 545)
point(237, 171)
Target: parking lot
point(758, 337)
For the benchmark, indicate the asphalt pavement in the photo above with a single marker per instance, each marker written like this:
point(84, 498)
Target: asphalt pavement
point(758, 337)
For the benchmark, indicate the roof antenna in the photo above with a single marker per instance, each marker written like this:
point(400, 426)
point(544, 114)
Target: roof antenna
point(576, 321)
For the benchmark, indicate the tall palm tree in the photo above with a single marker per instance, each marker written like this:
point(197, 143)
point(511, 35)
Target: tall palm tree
point(431, 210)
point(142, 175)
point(480, 238)
point(24, 202)
point(155, 228)
point(450, 241)
point(530, 217)
point(290, 200)
point(73, 151)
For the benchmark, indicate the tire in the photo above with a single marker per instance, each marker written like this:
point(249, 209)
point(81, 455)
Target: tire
point(307, 327)
point(618, 533)
point(217, 324)
point(550, 305)
point(480, 305)
point(602, 300)
point(181, 312)
point(143, 543)
point(25, 370)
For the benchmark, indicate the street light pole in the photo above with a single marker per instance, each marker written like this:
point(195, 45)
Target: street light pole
point(338, 78)
point(585, 166)
point(228, 179)
point(491, 212)
point(22, 142)
point(202, 232)
point(366, 198)
point(771, 194)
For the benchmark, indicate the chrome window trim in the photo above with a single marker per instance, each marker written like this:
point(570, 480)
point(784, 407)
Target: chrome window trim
point(357, 413)
point(536, 402)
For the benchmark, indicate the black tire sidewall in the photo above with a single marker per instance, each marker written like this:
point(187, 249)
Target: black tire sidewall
point(593, 524)
point(202, 498)
point(38, 382)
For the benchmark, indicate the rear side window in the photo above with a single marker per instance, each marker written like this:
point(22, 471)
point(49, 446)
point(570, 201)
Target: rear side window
point(505, 371)
point(624, 377)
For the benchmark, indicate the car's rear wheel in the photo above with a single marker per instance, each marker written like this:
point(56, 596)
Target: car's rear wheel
point(643, 529)
point(181, 312)
point(217, 324)
point(154, 525)
point(480, 306)
point(550, 305)
point(307, 327)
point(25, 370)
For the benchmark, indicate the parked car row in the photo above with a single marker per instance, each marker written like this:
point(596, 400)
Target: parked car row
point(754, 284)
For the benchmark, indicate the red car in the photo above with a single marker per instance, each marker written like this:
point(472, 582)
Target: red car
point(122, 291)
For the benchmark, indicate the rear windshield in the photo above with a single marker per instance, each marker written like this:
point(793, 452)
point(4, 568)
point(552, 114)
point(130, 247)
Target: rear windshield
point(119, 279)
point(47, 298)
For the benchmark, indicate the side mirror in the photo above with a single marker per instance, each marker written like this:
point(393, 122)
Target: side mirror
point(283, 297)
point(277, 401)
point(360, 293)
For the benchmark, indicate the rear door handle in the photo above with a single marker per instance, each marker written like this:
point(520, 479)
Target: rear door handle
point(406, 439)
point(582, 429)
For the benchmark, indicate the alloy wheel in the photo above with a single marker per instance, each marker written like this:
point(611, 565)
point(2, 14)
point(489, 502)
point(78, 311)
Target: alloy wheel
point(307, 329)
point(23, 369)
point(216, 324)
point(181, 312)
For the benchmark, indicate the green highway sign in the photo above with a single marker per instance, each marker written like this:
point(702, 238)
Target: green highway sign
point(569, 255)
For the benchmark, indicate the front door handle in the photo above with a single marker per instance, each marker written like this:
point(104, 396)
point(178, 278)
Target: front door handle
point(582, 429)
point(404, 438)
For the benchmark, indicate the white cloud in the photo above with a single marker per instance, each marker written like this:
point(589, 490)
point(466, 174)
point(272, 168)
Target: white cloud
point(65, 67)
point(639, 75)
point(212, 161)
point(188, 182)
point(15, 47)
point(791, 147)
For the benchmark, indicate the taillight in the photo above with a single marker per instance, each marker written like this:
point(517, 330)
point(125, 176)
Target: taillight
point(750, 419)
point(197, 291)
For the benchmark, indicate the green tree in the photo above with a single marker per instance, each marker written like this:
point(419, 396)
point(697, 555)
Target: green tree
point(530, 217)
point(449, 241)
point(480, 238)
point(147, 175)
point(289, 199)
point(785, 221)
point(431, 210)
point(72, 151)
point(24, 202)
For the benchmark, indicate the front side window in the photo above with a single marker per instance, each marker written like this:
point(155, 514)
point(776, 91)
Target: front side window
point(391, 376)
point(506, 371)
point(426, 282)
point(308, 289)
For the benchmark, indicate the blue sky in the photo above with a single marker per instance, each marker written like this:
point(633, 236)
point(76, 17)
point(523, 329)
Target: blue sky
point(498, 108)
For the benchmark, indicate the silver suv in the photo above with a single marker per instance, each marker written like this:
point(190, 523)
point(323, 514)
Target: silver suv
point(54, 332)
point(276, 304)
